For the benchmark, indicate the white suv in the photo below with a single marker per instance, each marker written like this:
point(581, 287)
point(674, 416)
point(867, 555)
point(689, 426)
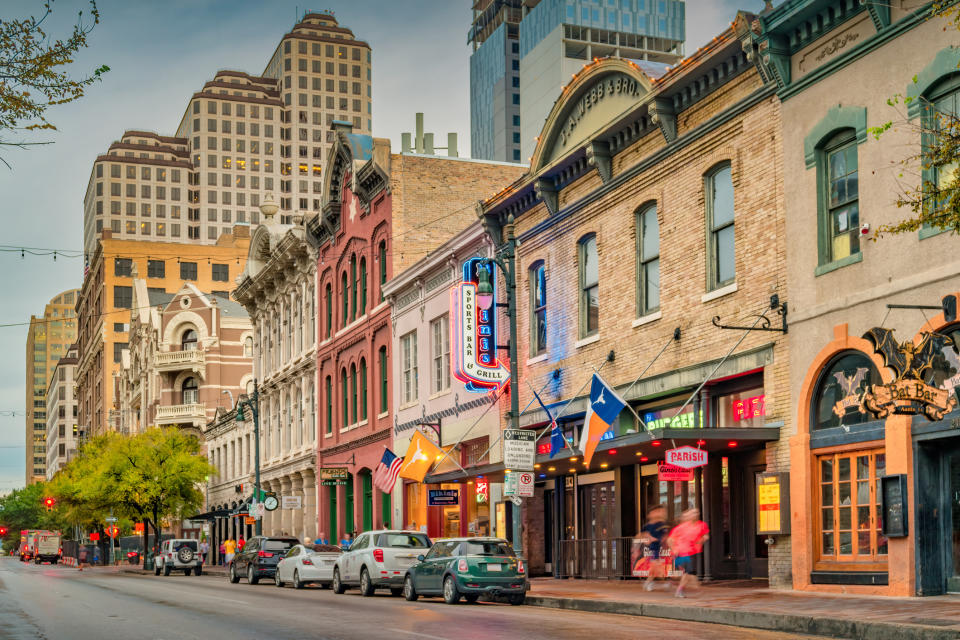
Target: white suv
point(378, 560)
point(180, 554)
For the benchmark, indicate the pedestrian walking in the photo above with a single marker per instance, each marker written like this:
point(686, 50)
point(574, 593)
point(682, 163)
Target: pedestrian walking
point(686, 541)
point(321, 539)
point(653, 535)
point(81, 558)
point(220, 559)
point(204, 550)
point(240, 544)
point(229, 548)
point(96, 554)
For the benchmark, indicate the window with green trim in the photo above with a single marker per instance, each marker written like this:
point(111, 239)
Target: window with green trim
point(839, 200)
point(346, 398)
point(939, 112)
point(363, 286)
point(345, 294)
point(718, 192)
point(382, 263)
point(329, 405)
point(353, 287)
point(382, 357)
point(328, 294)
point(353, 394)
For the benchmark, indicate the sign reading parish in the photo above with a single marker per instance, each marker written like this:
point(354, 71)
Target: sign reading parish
point(686, 457)
point(474, 330)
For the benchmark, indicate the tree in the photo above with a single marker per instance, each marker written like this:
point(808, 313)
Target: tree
point(24, 509)
point(34, 72)
point(933, 194)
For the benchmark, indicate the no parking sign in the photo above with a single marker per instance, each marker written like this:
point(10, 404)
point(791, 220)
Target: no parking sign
point(525, 484)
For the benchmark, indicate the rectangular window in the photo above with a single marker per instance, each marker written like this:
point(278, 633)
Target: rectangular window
point(122, 267)
point(648, 261)
point(538, 306)
point(188, 270)
point(408, 360)
point(329, 406)
point(589, 287)
point(220, 273)
point(122, 297)
point(440, 352)
point(718, 186)
point(118, 348)
point(842, 210)
point(383, 379)
point(848, 497)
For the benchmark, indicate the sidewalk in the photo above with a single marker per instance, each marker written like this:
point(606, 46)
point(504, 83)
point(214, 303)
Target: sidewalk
point(744, 604)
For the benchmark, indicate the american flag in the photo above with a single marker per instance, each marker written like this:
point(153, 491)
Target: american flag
point(385, 475)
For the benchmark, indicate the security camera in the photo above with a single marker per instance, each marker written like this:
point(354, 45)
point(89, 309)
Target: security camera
point(865, 229)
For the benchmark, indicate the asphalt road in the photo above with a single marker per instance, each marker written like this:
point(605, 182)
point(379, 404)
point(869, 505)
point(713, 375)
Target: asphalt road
point(57, 602)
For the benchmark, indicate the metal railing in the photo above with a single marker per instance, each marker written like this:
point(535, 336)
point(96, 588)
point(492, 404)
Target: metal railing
point(594, 558)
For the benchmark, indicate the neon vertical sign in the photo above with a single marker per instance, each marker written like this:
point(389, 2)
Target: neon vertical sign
point(474, 330)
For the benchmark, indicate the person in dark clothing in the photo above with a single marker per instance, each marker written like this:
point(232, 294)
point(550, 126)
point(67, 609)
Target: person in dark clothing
point(654, 535)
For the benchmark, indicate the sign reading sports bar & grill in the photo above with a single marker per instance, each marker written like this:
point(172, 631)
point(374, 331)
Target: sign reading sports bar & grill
point(474, 330)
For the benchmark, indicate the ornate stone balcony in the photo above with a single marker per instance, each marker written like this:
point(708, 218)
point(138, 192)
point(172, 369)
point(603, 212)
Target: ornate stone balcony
point(174, 361)
point(182, 414)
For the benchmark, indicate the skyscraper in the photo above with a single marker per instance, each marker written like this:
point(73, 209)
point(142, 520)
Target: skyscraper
point(525, 51)
point(48, 339)
point(240, 135)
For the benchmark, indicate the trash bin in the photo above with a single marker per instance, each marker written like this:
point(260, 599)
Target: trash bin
point(149, 563)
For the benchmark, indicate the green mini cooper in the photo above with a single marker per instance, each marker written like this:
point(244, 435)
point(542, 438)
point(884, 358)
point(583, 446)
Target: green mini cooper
point(468, 567)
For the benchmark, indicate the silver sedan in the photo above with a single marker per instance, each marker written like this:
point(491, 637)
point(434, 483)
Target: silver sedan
point(305, 564)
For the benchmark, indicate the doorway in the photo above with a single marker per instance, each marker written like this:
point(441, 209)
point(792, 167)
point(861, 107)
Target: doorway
point(737, 551)
point(938, 517)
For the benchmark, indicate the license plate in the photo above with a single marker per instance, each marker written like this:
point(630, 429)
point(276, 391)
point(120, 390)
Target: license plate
point(494, 567)
point(331, 561)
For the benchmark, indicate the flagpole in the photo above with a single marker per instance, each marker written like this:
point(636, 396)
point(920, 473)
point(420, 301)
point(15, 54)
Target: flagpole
point(475, 423)
point(574, 396)
point(553, 421)
point(675, 336)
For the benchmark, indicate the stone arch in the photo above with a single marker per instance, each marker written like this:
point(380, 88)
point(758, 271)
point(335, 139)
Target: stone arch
point(945, 64)
point(181, 322)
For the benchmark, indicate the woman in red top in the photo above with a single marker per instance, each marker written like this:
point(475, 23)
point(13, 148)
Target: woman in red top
point(686, 541)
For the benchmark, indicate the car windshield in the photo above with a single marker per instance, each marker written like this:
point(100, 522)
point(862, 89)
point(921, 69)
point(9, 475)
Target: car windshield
point(491, 548)
point(403, 541)
point(186, 543)
point(325, 548)
point(278, 545)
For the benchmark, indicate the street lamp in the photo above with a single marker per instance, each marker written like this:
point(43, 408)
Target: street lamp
point(252, 402)
point(505, 261)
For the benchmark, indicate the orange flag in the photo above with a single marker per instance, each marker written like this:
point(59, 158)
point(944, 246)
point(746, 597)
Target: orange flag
point(421, 455)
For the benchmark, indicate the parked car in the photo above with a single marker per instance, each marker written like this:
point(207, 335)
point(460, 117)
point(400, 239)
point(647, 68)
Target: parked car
point(178, 554)
point(468, 567)
point(377, 560)
point(260, 557)
point(306, 564)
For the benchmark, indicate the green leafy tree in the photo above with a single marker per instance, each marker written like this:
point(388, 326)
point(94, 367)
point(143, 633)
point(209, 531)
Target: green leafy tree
point(24, 509)
point(35, 74)
point(932, 194)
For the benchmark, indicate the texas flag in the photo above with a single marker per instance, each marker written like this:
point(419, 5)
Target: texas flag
point(605, 406)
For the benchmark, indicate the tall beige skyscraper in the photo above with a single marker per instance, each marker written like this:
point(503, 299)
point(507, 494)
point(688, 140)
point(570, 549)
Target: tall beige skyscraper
point(48, 340)
point(240, 135)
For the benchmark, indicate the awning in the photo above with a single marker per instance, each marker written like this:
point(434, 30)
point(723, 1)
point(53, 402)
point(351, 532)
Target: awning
point(210, 515)
point(645, 447)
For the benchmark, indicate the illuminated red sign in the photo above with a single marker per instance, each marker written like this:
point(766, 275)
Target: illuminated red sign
point(747, 408)
point(667, 472)
point(474, 330)
point(483, 491)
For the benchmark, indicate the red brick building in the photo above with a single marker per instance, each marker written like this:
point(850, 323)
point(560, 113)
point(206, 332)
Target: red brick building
point(382, 212)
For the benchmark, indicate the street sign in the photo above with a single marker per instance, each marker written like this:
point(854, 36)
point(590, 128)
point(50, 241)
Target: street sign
point(519, 449)
point(510, 482)
point(260, 511)
point(687, 457)
point(111, 519)
point(249, 520)
point(334, 476)
point(525, 484)
point(443, 497)
point(113, 532)
point(292, 502)
point(517, 500)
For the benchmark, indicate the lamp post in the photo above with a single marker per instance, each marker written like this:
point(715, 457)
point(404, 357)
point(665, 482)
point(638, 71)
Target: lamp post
point(505, 261)
point(252, 401)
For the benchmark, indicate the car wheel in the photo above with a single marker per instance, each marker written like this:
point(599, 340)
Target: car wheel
point(296, 580)
point(471, 598)
point(451, 595)
point(198, 570)
point(337, 585)
point(518, 599)
point(166, 569)
point(251, 578)
point(234, 578)
point(156, 569)
point(187, 572)
point(408, 591)
point(276, 578)
point(366, 584)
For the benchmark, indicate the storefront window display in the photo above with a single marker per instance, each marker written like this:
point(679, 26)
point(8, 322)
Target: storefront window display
point(450, 520)
point(743, 409)
point(416, 505)
point(945, 372)
point(477, 496)
point(841, 386)
point(848, 496)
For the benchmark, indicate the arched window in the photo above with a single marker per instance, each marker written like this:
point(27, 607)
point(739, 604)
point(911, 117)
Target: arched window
point(940, 108)
point(648, 260)
point(329, 398)
point(346, 398)
point(718, 196)
point(382, 264)
point(382, 357)
point(353, 394)
point(188, 341)
point(538, 308)
point(287, 420)
point(189, 391)
point(838, 180)
point(345, 295)
point(842, 383)
point(363, 390)
point(945, 372)
point(248, 347)
point(363, 286)
point(589, 272)
point(288, 326)
point(328, 299)
point(353, 287)
point(298, 414)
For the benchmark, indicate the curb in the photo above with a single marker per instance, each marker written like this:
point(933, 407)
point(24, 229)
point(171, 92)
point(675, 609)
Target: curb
point(795, 623)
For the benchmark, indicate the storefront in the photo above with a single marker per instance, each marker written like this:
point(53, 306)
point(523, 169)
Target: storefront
point(876, 464)
point(448, 510)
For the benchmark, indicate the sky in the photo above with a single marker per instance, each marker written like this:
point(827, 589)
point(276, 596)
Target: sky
point(159, 54)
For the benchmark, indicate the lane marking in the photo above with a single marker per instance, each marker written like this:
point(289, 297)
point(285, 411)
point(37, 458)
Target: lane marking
point(419, 635)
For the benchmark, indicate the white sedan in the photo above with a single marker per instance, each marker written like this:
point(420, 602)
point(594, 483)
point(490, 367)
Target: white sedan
point(304, 564)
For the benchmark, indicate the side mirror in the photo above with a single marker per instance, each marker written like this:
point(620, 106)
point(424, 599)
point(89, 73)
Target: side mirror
point(420, 558)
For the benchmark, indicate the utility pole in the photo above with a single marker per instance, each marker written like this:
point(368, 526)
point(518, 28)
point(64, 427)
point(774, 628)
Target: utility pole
point(253, 403)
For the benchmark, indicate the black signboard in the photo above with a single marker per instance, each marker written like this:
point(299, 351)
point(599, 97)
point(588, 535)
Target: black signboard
point(443, 497)
point(893, 503)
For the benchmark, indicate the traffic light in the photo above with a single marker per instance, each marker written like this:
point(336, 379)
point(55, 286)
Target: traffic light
point(48, 502)
point(3, 531)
